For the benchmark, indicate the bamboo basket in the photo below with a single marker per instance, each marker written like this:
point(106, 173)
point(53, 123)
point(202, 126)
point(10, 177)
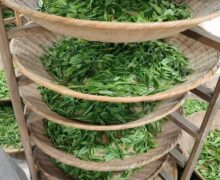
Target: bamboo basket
point(166, 140)
point(48, 171)
point(203, 10)
point(11, 151)
point(33, 100)
point(26, 51)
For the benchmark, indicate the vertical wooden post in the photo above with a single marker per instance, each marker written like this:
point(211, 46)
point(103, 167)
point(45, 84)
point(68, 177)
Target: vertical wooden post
point(203, 133)
point(15, 97)
point(18, 19)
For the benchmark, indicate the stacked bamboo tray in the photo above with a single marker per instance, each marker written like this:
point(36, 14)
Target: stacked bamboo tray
point(26, 52)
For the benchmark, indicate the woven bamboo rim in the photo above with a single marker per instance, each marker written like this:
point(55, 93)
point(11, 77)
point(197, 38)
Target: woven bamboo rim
point(33, 100)
point(28, 50)
point(48, 171)
point(166, 140)
point(203, 10)
point(12, 151)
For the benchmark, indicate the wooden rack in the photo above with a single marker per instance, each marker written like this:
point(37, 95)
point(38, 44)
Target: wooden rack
point(27, 117)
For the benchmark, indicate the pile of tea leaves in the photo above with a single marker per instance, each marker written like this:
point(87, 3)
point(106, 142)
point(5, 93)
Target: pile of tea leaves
point(134, 69)
point(9, 133)
point(192, 106)
point(99, 113)
point(108, 69)
point(4, 92)
point(8, 14)
point(118, 10)
point(82, 174)
point(101, 146)
point(209, 161)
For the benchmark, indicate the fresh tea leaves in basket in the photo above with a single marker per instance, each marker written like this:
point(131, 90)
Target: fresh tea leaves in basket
point(8, 13)
point(118, 10)
point(9, 134)
point(81, 174)
point(4, 92)
point(99, 113)
point(134, 69)
point(209, 162)
point(101, 146)
point(109, 69)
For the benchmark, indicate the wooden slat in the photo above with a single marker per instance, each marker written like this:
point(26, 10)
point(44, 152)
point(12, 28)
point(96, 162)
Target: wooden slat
point(207, 33)
point(165, 175)
point(203, 92)
point(202, 39)
point(18, 19)
point(5, 56)
point(179, 157)
point(184, 124)
point(204, 130)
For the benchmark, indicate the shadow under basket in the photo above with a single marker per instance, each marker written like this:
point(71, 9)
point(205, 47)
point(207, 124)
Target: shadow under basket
point(48, 171)
point(27, 51)
point(202, 11)
point(166, 140)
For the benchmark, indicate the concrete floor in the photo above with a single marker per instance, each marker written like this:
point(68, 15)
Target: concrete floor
point(23, 165)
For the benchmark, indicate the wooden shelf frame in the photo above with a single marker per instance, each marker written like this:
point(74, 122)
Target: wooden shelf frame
point(199, 134)
point(15, 97)
point(213, 98)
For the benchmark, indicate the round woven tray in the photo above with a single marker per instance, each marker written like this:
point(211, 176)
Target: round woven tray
point(28, 50)
point(33, 100)
point(11, 151)
point(166, 140)
point(48, 171)
point(203, 10)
